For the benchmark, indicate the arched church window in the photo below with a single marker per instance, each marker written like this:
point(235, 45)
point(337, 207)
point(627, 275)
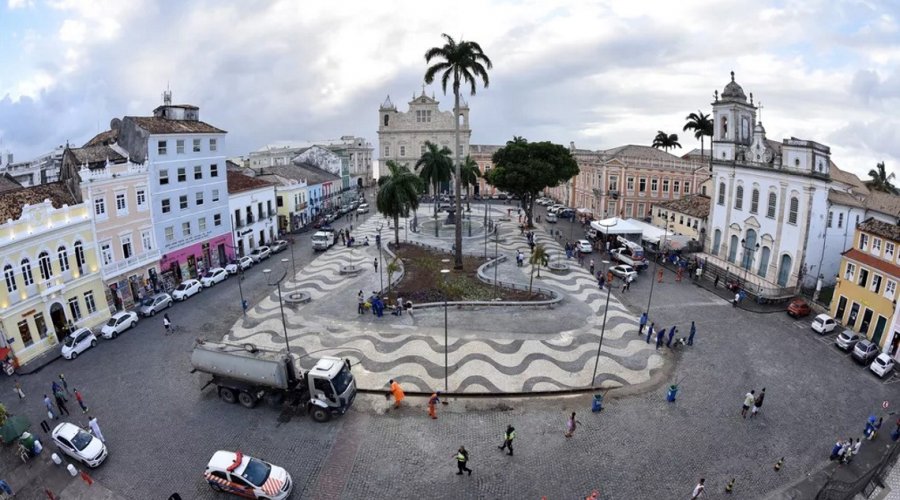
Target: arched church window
point(721, 193)
point(386, 120)
point(795, 208)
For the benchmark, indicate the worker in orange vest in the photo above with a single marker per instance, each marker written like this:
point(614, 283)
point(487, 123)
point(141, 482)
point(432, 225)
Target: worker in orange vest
point(397, 392)
point(432, 402)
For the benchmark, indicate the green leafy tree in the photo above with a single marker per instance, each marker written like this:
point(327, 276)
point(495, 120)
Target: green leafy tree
point(435, 167)
point(701, 125)
point(462, 62)
point(539, 257)
point(398, 194)
point(392, 268)
point(469, 175)
point(665, 141)
point(880, 180)
point(525, 168)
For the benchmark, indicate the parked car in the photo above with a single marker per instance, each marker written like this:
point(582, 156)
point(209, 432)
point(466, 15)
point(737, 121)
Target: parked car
point(566, 213)
point(77, 342)
point(551, 218)
point(584, 246)
point(259, 253)
point(847, 340)
point(243, 264)
point(363, 209)
point(234, 472)
point(865, 351)
point(213, 276)
point(79, 444)
point(882, 365)
point(823, 324)
point(155, 303)
point(187, 288)
point(502, 196)
point(798, 308)
point(623, 271)
point(118, 323)
point(279, 245)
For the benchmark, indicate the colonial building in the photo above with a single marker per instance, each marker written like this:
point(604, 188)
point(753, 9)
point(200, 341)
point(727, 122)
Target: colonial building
point(354, 151)
point(402, 135)
point(686, 215)
point(303, 193)
point(318, 158)
point(52, 279)
point(865, 297)
point(483, 155)
point(40, 170)
point(252, 205)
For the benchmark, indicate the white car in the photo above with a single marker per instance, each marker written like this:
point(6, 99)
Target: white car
point(882, 365)
point(79, 444)
point(215, 275)
point(260, 253)
point(249, 477)
point(281, 245)
point(77, 342)
point(118, 323)
point(551, 218)
point(584, 246)
point(363, 209)
point(152, 305)
point(243, 264)
point(623, 271)
point(187, 288)
point(823, 324)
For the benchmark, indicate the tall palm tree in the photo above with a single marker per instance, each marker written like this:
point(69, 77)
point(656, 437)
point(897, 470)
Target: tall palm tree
point(665, 141)
point(469, 175)
point(435, 167)
point(464, 62)
point(702, 126)
point(880, 180)
point(539, 257)
point(398, 193)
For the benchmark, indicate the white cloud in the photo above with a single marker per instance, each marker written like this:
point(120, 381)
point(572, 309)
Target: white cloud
point(19, 4)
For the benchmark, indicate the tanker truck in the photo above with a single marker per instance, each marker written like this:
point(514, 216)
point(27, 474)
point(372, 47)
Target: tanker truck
point(245, 374)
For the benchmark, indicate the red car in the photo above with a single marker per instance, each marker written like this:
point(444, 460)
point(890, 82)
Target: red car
point(798, 308)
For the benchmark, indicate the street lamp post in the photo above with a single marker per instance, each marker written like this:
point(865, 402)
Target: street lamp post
point(293, 262)
point(444, 273)
point(378, 228)
point(655, 263)
point(496, 254)
point(602, 329)
point(277, 284)
point(748, 257)
point(240, 273)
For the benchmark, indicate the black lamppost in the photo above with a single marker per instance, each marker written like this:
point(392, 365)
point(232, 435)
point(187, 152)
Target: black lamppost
point(293, 262)
point(378, 228)
point(656, 262)
point(749, 253)
point(277, 284)
point(240, 273)
point(602, 329)
point(496, 254)
point(444, 274)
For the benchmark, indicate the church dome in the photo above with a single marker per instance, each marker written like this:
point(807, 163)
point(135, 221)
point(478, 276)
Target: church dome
point(759, 129)
point(734, 91)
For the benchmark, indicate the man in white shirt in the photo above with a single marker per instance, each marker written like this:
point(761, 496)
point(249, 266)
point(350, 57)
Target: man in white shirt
point(749, 398)
point(698, 490)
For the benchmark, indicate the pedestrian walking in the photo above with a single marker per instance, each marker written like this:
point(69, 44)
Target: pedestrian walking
point(84, 408)
point(508, 437)
point(737, 298)
point(376, 264)
point(397, 391)
point(166, 322)
point(61, 404)
point(691, 336)
point(659, 337)
point(49, 405)
point(836, 449)
point(601, 281)
point(360, 303)
point(749, 399)
point(571, 424)
point(698, 490)
point(857, 446)
point(642, 323)
point(62, 380)
point(659, 276)
point(592, 267)
point(716, 282)
point(672, 333)
point(462, 458)
point(847, 455)
point(650, 332)
point(58, 391)
point(18, 390)
point(432, 403)
point(95, 428)
point(757, 403)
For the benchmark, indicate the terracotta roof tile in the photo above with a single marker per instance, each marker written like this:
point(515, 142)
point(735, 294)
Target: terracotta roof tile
point(695, 205)
point(873, 262)
point(107, 137)
point(96, 154)
point(880, 228)
point(156, 125)
point(8, 183)
point(238, 182)
point(12, 201)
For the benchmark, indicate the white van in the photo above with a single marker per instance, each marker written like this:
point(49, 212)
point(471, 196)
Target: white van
point(552, 218)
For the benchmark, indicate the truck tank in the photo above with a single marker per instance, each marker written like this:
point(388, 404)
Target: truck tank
point(266, 368)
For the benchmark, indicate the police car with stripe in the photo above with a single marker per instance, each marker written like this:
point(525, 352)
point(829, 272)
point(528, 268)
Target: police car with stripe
point(248, 477)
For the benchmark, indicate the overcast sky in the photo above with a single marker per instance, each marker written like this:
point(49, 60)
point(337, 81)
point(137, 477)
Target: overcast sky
point(601, 74)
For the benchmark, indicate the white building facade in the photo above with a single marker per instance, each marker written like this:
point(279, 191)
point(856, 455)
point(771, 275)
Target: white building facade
point(252, 206)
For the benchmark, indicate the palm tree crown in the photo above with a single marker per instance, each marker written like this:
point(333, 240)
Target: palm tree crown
point(435, 166)
point(398, 193)
point(880, 180)
point(665, 141)
point(702, 126)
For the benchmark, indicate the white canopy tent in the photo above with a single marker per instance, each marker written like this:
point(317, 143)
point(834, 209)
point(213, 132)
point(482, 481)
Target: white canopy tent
point(615, 225)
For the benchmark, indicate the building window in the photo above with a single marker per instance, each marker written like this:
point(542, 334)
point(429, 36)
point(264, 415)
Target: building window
point(422, 150)
point(890, 289)
point(863, 241)
point(795, 208)
point(213, 145)
point(687, 187)
point(876, 283)
point(773, 201)
point(166, 206)
point(163, 176)
point(106, 253)
point(629, 184)
point(676, 185)
point(722, 193)
point(201, 224)
point(642, 185)
point(754, 201)
point(876, 246)
point(45, 266)
point(849, 273)
point(182, 174)
point(215, 195)
point(840, 220)
point(828, 220)
point(640, 210)
point(121, 205)
point(63, 256)
point(402, 150)
point(387, 149)
point(25, 333)
point(863, 276)
point(213, 170)
point(182, 202)
point(199, 197)
point(146, 241)
point(40, 325)
point(654, 184)
point(196, 145)
point(179, 146)
point(629, 209)
point(27, 277)
point(100, 206)
point(217, 220)
point(185, 228)
point(888, 250)
point(170, 234)
point(79, 256)
point(665, 186)
point(89, 302)
point(141, 196)
point(75, 309)
point(613, 183)
point(739, 198)
point(10, 276)
point(198, 172)
point(127, 250)
point(161, 147)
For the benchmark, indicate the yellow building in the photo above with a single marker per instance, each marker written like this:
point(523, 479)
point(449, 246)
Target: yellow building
point(51, 278)
point(686, 215)
point(866, 291)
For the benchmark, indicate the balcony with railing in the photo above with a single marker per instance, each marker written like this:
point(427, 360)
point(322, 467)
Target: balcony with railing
point(119, 266)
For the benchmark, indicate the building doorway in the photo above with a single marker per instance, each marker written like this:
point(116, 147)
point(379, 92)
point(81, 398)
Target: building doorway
point(854, 311)
point(866, 319)
point(192, 266)
point(879, 330)
point(895, 344)
point(842, 305)
point(58, 317)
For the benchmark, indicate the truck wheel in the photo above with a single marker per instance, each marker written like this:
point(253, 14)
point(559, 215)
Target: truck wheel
point(227, 395)
point(246, 399)
point(320, 414)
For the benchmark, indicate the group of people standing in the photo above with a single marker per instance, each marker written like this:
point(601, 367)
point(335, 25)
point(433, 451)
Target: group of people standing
point(753, 402)
point(661, 333)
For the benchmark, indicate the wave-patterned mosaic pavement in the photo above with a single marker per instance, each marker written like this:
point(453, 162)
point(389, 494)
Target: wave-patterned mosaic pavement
point(497, 359)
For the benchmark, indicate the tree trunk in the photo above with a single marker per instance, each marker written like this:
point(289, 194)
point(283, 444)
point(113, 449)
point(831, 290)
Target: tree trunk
point(397, 230)
point(531, 280)
point(458, 264)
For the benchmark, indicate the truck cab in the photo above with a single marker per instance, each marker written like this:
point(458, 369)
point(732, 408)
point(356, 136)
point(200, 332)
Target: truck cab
point(323, 239)
point(331, 388)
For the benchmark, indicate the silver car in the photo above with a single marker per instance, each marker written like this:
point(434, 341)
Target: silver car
point(152, 305)
point(847, 340)
point(865, 351)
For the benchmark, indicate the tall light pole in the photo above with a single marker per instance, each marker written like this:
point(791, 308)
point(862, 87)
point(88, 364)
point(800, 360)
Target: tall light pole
point(277, 284)
point(602, 329)
point(748, 257)
point(444, 273)
point(496, 254)
point(240, 273)
point(378, 228)
point(655, 263)
point(293, 262)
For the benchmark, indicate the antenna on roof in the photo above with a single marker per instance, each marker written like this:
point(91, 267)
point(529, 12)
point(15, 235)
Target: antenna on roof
point(167, 95)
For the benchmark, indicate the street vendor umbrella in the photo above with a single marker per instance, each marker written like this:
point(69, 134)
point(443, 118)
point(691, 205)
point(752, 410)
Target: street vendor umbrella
point(13, 428)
